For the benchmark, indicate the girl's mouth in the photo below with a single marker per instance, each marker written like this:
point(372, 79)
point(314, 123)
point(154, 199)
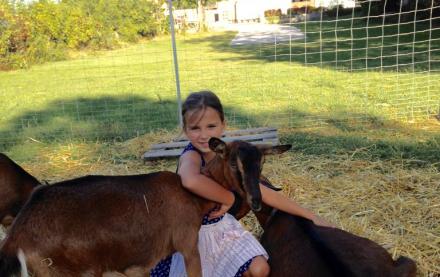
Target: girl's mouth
point(204, 144)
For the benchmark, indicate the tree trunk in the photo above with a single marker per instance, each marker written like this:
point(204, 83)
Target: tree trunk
point(201, 15)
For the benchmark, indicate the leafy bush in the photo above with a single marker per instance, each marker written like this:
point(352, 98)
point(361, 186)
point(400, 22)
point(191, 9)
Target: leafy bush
point(45, 30)
point(14, 31)
point(270, 13)
point(273, 16)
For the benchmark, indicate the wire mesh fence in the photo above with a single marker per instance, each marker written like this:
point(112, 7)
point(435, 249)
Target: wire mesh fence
point(317, 67)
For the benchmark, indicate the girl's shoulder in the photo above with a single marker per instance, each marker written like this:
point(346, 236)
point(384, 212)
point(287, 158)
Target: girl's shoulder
point(191, 148)
point(192, 155)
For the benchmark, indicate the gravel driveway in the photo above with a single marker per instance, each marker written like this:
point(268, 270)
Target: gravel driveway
point(258, 33)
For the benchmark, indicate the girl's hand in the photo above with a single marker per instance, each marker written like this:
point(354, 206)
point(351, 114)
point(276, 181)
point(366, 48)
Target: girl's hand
point(219, 210)
point(222, 208)
point(322, 222)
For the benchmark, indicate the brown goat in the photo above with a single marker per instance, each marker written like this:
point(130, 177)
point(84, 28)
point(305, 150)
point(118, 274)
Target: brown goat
point(95, 224)
point(16, 186)
point(237, 166)
point(298, 247)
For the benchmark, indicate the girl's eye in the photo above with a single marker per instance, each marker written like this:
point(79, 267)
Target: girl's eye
point(212, 126)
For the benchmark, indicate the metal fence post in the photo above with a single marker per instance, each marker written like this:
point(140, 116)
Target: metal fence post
point(176, 65)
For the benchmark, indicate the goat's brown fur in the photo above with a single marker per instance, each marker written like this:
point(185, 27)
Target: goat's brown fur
point(296, 246)
point(95, 224)
point(16, 186)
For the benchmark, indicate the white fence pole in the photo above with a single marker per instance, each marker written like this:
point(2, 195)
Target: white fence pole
point(176, 64)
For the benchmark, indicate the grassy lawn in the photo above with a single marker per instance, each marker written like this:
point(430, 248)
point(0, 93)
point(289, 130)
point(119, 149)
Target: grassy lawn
point(360, 117)
point(120, 94)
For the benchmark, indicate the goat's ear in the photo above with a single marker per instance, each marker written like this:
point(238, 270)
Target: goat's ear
point(218, 146)
point(277, 149)
point(265, 182)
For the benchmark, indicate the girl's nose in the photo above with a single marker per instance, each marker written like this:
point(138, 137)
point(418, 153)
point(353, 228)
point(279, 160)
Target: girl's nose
point(204, 134)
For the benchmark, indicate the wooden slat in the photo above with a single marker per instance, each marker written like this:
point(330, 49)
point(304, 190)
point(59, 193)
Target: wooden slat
point(162, 154)
point(226, 139)
point(238, 132)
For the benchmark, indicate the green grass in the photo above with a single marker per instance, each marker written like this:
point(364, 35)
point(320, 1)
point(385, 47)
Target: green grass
point(119, 94)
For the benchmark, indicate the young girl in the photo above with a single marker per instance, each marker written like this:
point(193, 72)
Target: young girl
point(226, 249)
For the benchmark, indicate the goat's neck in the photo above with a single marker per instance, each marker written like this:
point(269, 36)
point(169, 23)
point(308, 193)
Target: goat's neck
point(264, 215)
point(217, 171)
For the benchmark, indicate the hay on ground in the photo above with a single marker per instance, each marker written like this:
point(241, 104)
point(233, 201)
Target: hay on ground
point(395, 205)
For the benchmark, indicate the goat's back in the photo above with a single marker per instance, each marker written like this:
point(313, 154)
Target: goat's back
point(291, 252)
point(111, 221)
point(360, 256)
point(298, 247)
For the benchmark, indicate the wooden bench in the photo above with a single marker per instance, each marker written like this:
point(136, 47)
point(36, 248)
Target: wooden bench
point(264, 135)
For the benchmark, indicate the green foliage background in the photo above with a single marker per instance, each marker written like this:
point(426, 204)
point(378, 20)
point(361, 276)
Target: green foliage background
point(46, 30)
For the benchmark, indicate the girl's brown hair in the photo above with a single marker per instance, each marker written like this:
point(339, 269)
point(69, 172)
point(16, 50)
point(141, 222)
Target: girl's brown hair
point(199, 101)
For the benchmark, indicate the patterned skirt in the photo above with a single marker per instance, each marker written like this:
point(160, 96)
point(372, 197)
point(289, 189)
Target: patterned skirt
point(226, 250)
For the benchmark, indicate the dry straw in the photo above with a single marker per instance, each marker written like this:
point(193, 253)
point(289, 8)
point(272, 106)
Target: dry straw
point(386, 201)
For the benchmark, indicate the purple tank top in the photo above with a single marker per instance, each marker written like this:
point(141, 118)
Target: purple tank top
point(191, 147)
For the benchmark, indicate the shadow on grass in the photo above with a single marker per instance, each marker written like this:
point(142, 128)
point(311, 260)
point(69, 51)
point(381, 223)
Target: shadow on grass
point(417, 153)
point(105, 118)
point(121, 118)
point(102, 118)
point(346, 44)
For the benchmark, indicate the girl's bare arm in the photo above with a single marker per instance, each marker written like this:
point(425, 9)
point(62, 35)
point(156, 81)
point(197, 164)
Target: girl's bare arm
point(194, 181)
point(283, 203)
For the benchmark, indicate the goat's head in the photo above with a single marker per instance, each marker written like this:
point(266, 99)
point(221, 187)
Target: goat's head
point(238, 166)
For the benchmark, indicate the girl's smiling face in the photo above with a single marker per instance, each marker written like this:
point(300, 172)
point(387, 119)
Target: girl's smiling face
point(203, 125)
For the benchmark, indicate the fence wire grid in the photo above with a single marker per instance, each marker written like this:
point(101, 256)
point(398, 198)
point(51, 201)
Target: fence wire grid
point(315, 69)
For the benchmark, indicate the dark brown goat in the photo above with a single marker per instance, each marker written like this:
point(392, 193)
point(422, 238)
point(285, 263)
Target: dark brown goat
point(298, 247)
point(16, 186)
point(95, 224)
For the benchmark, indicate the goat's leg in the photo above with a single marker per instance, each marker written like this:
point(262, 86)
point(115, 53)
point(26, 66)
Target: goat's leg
point(192, 262)
point(187, 244)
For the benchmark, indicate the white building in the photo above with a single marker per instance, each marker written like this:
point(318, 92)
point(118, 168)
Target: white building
point(238, 11)
point(253, 10)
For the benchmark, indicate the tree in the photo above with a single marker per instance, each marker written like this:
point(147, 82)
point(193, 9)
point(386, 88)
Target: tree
point(377, 7)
